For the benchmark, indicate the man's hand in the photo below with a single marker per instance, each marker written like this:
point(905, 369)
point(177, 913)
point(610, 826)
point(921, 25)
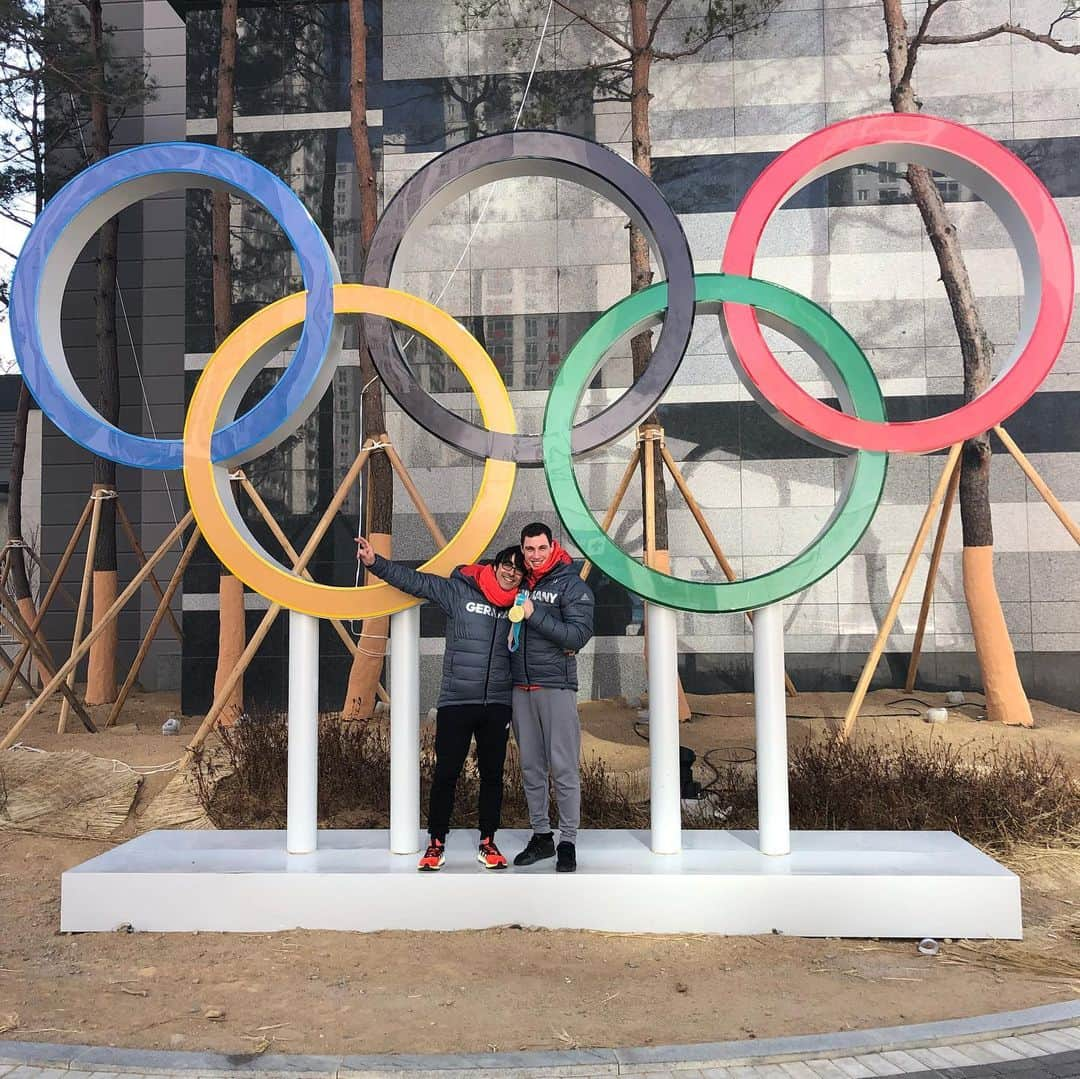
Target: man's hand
point(528, 608)
point(365, 553)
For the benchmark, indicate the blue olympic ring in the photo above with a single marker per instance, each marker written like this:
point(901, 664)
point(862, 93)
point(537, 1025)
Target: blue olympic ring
point(68, 222)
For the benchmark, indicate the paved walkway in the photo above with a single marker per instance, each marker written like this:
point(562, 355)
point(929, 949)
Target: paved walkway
point(1034, 1043)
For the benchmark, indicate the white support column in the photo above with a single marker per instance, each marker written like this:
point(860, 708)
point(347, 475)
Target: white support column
point(770, 714)
point(664, 786)
point(301, 836)
point(405, 731)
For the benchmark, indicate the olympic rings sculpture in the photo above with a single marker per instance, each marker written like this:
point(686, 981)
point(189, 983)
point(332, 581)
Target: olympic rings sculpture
point(216, 439)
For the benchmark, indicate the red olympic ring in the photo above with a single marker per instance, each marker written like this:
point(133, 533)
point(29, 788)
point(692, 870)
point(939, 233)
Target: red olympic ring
point(1012, 190)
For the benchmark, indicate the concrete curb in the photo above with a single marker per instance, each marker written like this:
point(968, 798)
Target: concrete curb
point(568, 1062)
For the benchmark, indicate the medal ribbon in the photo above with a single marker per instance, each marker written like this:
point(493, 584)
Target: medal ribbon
point(517, 616)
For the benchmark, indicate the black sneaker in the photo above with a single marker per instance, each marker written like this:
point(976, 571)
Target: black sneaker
point(539, 848)
point(567, 862)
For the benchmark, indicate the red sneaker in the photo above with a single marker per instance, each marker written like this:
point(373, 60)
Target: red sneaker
point(489, 856)
point(434, 857)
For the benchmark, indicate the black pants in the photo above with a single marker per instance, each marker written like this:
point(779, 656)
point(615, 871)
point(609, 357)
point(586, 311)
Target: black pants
point(455, 727)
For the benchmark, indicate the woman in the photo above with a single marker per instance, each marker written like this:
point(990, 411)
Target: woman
point(475, 697)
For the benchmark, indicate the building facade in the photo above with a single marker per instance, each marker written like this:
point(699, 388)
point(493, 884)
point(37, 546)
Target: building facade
point(528, 265)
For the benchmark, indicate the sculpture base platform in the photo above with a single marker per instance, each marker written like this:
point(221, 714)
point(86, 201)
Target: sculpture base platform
point(849, 884)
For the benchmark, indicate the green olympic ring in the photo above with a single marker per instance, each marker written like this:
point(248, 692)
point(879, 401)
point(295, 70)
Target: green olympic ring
point(799, 319)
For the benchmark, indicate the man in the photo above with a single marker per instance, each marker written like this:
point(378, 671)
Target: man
point(558, 621)
point(474, 701)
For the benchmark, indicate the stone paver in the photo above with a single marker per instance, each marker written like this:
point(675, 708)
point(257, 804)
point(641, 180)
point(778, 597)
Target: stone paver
point(879, 1065)
point(798, 1070)
point(1051, 1053)
point(825, 1069)
point(1043, 1041)
point(1018, 1045)
point(853, 1069)
point(904, 1061)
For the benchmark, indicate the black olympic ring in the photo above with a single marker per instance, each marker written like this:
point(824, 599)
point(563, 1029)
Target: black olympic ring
point(533, 153)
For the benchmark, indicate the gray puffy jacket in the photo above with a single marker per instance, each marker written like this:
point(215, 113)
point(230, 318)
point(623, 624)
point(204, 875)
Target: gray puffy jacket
point(561, 622)
point(476, 664)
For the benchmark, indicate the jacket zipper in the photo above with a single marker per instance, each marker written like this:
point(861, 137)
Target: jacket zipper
point(491, 652)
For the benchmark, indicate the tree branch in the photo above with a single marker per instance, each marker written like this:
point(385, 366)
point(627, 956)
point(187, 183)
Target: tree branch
point(656, 23)
point(995, 31)
point(913, 45)
point(743, 20)
point(15, 218)
point(595, 25)
point(1067, 13)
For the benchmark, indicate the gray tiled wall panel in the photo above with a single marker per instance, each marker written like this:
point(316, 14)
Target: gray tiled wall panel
point(545, 247)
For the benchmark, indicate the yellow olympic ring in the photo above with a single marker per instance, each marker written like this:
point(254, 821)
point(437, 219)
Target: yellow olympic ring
point(228, 373)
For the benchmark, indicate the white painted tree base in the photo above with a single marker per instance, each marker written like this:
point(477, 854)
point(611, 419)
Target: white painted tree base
point(851, 884)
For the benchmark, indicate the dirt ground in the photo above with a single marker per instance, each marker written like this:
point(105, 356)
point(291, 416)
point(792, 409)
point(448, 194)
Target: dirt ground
point(508, 988)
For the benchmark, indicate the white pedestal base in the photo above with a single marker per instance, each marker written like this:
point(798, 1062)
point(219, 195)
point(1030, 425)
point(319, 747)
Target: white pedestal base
point(852, 884)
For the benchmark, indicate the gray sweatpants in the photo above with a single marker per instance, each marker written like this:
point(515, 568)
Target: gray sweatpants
point(548, 733)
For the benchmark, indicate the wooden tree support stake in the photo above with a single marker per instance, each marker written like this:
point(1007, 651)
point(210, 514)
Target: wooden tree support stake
point(14, 673)
point(648, 437)
point(410, 489)
point(115, 608)
point(931, 577)
point(710, 538)
point(140, 554)
point(84, 595)
point(44, 569)
point(616, 502)
point(1038, 483)
point(17, 625)
point(155, 624)
point(952, 464)
point(274, 610)
point(54, 585)
point(278, 533)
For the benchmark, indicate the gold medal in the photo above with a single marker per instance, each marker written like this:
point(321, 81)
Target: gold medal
point(517, 614)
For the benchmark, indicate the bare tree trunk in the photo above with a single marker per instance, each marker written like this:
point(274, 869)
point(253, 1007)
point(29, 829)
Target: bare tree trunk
point(640, 266)
point(640, 278)
point(18, 580)
point(379, 510)
point(325, 484)
point(101, 665)
point(231, 618)
point(1005, 697)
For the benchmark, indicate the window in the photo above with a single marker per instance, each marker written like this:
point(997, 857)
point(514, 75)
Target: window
point(534, 377)
point(500, 328)
point(502, 355)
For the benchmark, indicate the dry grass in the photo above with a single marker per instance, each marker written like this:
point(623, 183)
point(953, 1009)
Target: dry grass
point(1049, 953)
point(997, 798)
point(245, 786)
point(1003, 799)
